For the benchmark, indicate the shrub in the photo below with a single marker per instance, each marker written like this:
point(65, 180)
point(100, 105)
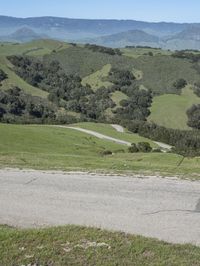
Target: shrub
point(144, 147)
point(106, 152)
point(133, 148)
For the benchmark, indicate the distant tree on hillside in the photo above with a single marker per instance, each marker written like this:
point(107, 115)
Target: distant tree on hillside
point(3, 75)
point(194, 116)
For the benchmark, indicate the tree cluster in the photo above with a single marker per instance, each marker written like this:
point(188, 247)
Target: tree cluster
point(19, 107)
point(136, 107)
point(185, 142)
point(102, 49)
point(144, 147)
point(65, 91)
point(184, 54)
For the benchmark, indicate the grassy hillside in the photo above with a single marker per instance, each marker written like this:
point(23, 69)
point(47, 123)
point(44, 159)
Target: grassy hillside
point(36, 48)
point(169, 110)
point(131, 37)
point(98, 78)
point(160, 72)
point(46, 147)
point(137, 52)
point(85, 62)
point(59, 246)
point(118, 96)
point(157, 73)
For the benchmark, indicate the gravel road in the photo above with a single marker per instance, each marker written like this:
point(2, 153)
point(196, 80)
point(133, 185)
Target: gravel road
point(118, 128)
point(167, 209)
point(99, 135)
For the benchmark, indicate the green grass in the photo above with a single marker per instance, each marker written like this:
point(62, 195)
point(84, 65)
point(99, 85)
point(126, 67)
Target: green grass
point(160, 72)
point(98, 78)
point(169, 110)
point(54, 148)
point(69, 245)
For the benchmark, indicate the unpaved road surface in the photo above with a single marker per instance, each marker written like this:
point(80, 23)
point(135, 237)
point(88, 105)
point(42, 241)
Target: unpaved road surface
point(167, 209)
point(99, 135)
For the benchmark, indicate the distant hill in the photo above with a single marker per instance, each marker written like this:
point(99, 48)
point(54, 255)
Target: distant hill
point(186, 39)
point(191, 33)
point(132, 37)
point(23, 35)
point(66, 28)
point(113, 33)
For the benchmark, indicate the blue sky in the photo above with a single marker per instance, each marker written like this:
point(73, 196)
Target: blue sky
point(146, 10)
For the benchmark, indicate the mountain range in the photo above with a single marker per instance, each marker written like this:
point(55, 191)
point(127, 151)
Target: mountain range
point(111, 33)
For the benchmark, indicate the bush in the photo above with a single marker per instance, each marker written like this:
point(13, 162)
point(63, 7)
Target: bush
point(140, 147)
point(133, 148)
point(106, 152)
point(144, 147)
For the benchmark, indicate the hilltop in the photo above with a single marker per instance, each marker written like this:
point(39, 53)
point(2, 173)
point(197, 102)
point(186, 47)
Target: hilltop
point(23, 35)
point(132, 37)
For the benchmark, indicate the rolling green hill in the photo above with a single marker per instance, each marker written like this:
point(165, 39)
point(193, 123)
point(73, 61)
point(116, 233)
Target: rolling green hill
point(169, 110)
point(32, 48)
point(98, 78)
point(36, 48)
point(157, 72)
point(15, 80)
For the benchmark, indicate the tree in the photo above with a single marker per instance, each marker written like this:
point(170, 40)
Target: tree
point(179, 84)
point(3, 75)
point(194, 116)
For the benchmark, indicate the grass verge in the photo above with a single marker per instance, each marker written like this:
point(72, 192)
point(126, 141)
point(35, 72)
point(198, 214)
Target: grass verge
point(74, 245)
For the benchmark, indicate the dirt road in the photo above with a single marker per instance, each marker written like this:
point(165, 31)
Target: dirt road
point(166, 209)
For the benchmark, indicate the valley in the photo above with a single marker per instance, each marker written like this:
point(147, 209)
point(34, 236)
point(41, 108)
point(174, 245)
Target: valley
point(99, 133)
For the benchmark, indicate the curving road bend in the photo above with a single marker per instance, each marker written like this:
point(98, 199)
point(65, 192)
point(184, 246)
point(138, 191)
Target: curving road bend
point(167, 209)
point(118, 128)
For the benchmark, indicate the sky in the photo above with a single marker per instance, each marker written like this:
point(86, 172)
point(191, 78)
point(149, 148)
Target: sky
point(145, 10)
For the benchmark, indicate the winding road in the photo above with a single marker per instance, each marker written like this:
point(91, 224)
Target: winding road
point(163, 146)
point(167, 209)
